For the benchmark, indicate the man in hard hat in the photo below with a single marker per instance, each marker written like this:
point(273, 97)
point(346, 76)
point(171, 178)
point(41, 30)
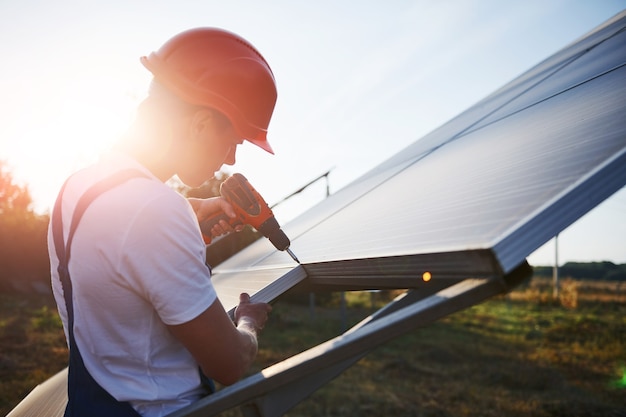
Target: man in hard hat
point(143, 321)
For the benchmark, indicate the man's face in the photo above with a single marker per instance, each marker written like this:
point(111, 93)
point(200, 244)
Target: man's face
point(212, 143)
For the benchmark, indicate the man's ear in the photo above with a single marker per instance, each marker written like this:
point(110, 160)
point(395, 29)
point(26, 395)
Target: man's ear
point(201, 121)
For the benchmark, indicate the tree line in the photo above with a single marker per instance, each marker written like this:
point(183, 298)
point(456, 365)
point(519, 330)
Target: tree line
point(24, 261)
point(601, 271)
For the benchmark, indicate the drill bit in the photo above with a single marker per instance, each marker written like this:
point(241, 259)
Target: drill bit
point(293, 256)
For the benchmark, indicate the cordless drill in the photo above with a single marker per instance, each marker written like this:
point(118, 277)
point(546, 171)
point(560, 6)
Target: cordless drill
point(251, 209)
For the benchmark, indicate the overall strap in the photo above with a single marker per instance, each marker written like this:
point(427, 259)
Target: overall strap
point(63, 249)
point(85, 395)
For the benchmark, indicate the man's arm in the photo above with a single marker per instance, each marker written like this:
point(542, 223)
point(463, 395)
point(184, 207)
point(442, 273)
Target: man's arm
point(224, 350)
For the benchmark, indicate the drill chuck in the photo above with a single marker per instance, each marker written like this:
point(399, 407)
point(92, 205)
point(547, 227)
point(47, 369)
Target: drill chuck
point(271, 230)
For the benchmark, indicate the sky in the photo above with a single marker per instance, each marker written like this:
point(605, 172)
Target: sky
point(357, 82)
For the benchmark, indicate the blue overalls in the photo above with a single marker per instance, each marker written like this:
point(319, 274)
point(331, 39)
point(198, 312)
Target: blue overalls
point(85, 396)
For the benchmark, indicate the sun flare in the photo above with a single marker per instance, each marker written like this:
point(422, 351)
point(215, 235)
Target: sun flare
point(66, 128)
point(89, 120)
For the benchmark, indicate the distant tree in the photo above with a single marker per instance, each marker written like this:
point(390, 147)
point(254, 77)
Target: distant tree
point(587, 270)
point(619, 274)
point(605, 271)
point(15, 200)
point(23, 247)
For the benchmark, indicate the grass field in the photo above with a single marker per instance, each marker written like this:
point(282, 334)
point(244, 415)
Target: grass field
point(516, 355)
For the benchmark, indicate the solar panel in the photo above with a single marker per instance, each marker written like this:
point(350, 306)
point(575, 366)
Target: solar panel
point(479, 194)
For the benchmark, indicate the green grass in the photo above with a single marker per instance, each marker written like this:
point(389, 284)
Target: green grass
point(502, 357)
point(510, 356)
point(32, 346)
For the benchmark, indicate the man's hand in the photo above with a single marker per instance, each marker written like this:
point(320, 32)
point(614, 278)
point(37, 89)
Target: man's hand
point(251, 315)
point(206, 207)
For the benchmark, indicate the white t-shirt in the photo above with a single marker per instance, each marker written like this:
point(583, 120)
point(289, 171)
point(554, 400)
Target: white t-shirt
point(137, 263)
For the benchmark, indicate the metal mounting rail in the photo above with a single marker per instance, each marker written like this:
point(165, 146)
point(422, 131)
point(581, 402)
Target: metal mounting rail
point(278, 388)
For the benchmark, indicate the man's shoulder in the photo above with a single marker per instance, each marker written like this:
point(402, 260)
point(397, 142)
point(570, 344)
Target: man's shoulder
point(135, 189)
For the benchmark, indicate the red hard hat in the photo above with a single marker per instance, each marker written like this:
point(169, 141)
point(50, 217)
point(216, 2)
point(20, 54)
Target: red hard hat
point(215, 68)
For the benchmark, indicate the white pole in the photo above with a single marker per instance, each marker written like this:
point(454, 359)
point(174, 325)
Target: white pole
point(555, 269)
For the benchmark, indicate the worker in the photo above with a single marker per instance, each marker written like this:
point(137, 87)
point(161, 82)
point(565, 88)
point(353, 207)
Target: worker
point(146, 331)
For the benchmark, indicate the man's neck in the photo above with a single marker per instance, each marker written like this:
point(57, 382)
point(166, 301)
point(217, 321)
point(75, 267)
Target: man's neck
point(156, 157)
